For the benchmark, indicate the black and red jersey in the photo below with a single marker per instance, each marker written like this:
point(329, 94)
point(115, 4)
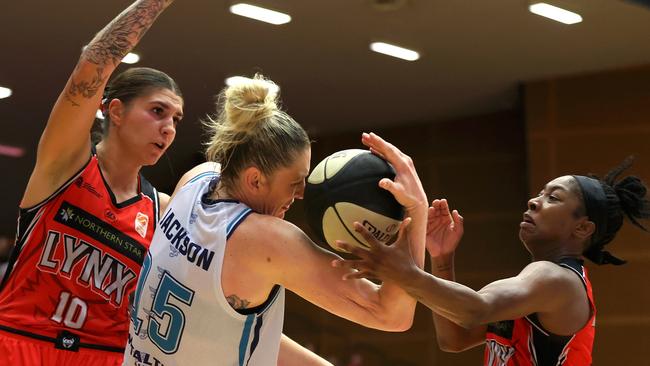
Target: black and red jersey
point(524, 342)
point(77, 258)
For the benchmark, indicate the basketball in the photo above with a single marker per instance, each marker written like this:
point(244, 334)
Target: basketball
point(344, 188)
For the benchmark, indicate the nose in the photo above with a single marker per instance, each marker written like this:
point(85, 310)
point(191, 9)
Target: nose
point(532, 204)
point(168, 129)
point(300, 191)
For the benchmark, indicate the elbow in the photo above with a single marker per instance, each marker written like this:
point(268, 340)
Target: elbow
point(400, 324)
point(450, 347)
point(472, 318)
point(395, 321)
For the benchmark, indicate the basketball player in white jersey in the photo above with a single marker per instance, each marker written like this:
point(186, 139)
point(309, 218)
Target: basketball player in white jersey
point(211, 289)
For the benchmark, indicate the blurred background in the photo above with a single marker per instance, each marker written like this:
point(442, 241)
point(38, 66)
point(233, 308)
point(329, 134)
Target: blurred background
point(500, 101)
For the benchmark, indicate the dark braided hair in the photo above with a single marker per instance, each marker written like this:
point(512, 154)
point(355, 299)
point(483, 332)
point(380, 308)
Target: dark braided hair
point(626, 197)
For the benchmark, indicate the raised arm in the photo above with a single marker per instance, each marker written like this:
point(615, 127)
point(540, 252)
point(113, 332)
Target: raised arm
point(65, 143)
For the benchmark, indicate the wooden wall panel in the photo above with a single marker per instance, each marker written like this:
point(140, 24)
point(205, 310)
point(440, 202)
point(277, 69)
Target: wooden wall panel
point(588, 124)
point(477, 163)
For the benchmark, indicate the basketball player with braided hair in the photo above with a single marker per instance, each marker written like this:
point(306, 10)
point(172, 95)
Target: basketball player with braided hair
point(545, 315)
point(212, 287)
point(87, 215)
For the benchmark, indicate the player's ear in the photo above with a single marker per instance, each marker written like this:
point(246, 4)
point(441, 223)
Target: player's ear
point(254, 179)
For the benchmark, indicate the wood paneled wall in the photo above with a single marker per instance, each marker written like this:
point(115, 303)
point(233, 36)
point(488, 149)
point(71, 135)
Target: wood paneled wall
point(589, 124)
point(478, 164)
point(487, 167)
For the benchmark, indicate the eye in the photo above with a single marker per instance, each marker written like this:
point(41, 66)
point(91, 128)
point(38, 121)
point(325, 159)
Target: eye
point(176, 120)
point(553, 198)
point(157, 110)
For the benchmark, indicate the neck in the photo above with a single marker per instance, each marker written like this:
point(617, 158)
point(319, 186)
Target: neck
point(223, 192)
point(120, 172)
point(555, 255)
point(553, 252)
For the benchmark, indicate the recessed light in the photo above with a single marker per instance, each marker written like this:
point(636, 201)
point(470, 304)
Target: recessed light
point(555, 13)
point(261, 14)
point(131, 58)
point(4, 92)
point(395, 51)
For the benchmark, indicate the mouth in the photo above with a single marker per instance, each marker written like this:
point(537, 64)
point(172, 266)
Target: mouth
point(161, 146)
point(527, 221)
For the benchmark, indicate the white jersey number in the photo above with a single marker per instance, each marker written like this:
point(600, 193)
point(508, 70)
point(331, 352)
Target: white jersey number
point(71, 312)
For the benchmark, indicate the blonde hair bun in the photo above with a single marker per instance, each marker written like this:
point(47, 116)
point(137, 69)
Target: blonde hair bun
point(250, 100)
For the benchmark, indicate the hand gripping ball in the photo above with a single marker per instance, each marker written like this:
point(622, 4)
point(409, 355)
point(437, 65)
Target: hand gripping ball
point(344, 188)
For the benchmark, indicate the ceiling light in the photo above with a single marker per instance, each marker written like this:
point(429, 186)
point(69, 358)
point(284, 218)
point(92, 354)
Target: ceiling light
point(131, 58)
point(261, 14)
point(4, 92)
point(555, 13)
point(395, 51)
point(234, 80)
point(12, 151)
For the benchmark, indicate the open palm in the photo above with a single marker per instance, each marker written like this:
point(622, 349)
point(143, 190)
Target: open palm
point(444, 229)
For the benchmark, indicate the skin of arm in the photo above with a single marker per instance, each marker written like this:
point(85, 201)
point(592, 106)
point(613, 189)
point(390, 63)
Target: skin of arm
point(284, 255)
point(293, 354)
point(542, 287)
point(65, 143)
point(444, 231)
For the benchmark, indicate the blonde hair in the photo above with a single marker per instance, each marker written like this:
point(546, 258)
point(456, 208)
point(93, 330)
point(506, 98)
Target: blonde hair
point(252, 130)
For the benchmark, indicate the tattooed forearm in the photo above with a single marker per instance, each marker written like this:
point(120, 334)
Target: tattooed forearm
point(237, 303)
point(120, 35)
point(110, 45)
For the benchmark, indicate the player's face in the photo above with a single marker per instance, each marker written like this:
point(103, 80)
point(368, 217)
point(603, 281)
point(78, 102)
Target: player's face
point(149, 124)
point(286, 185)
point(551, 215)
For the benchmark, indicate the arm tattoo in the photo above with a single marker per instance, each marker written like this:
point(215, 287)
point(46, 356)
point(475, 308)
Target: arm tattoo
point(113, 43)
point(237, 303)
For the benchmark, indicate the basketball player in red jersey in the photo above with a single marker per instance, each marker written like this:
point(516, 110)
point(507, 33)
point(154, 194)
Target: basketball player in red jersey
point(87, 215)
point(545, 316)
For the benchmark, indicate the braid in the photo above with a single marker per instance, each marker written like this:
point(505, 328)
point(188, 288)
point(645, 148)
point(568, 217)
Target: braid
point(624, 198)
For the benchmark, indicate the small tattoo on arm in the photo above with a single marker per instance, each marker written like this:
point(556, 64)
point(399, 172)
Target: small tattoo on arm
point(237, 303)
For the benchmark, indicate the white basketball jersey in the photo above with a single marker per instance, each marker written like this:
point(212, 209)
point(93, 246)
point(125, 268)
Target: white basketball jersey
point(181, 315)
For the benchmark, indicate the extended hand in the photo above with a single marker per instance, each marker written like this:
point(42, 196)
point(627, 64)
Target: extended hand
point(444, 229)
point(406, 187)
point(380, 261)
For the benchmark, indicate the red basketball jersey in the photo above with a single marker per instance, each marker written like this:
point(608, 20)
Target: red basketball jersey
point(77, 258)
point(524, 342)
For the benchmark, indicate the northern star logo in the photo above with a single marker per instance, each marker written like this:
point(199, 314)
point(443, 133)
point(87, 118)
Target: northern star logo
point(66, 214)
point(141, 224)
point(90, 225)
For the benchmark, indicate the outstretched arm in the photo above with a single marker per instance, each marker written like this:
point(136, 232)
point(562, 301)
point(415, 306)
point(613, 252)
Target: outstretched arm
point(65, 143)
point(542, 287)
